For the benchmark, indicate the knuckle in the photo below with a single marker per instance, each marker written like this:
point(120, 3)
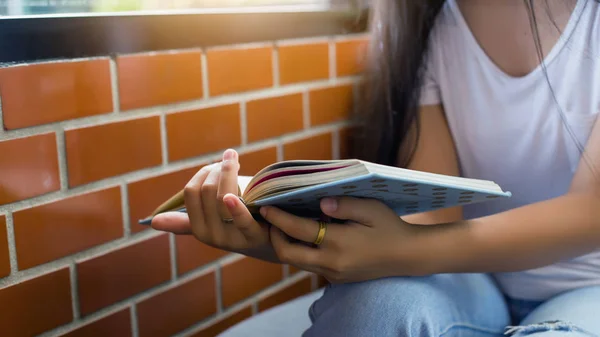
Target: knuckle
point(209, 188)
point(190, 189)
point(229, 166)
point(191, 186)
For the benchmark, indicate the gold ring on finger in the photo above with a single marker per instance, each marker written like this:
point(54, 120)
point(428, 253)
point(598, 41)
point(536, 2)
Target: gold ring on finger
point(321, 234)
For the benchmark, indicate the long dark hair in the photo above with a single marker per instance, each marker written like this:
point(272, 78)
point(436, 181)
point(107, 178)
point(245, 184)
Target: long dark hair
point(387, 121)
point(387, 104)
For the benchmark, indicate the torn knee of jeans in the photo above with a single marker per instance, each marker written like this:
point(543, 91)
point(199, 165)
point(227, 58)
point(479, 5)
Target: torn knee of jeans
point(542, 327)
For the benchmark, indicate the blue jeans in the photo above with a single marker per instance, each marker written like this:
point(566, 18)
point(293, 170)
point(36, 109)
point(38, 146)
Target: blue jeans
point(449, 305)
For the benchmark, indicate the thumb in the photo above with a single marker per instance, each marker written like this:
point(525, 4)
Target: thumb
point(173, 222)
point(347, 208)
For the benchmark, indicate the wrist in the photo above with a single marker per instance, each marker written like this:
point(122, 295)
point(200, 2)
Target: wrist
point(443, 248)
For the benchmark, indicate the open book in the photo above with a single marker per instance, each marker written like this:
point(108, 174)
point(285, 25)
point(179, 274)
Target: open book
point(297, 187)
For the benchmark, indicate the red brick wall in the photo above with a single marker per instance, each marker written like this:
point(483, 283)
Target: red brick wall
point(83, 141)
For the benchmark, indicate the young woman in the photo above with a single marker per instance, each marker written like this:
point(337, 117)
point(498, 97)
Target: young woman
point(500, 90)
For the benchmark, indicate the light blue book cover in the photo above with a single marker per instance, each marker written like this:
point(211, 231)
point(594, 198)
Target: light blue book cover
point(405, 196)
point(405, 191)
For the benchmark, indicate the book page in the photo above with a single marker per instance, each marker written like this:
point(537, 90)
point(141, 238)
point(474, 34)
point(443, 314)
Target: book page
point(243, 182)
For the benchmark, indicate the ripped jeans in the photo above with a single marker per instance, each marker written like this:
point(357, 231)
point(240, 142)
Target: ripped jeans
point(449, 305)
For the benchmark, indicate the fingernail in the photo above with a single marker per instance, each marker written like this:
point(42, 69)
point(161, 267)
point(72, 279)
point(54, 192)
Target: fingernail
point(228, 155)
point(329, 205)
point(263, 212)
point(229, 202)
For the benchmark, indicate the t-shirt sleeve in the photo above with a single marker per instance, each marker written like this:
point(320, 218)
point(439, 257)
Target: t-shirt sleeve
point(430, 90)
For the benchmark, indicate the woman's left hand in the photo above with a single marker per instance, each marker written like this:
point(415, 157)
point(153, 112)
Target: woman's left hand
point(374, 242)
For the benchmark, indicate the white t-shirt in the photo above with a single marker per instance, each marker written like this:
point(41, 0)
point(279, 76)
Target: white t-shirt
point(509, 129)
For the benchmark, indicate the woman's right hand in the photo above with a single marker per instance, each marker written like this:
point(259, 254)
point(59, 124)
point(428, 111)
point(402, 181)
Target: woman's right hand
point(215, 214)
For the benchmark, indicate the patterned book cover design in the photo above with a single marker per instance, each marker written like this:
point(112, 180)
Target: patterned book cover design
point(404, 197)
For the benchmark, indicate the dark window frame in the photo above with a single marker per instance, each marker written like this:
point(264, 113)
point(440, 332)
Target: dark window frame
point(44, 38)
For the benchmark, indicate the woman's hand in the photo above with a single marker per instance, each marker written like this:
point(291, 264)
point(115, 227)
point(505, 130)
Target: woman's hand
point(373, 243)
point(215, 214)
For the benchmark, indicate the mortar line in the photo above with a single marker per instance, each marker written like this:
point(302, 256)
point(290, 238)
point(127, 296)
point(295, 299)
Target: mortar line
point(350, 37)
point(125, 210)
point(238, 46)
point(12, 245)
point(173, 256)
point(332, 59)
point(135, 329)
point(204, 68)
point(280, 154)
point(164, 147)
point(302, 41)
point(74, 291)
point(62, 160)
point(306, 109)
point(52, 61)
point(254, 307)
point(335, 144)
point(114, 85)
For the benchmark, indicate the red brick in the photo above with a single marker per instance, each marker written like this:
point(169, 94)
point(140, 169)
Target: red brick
point(303, 62)
point(215, 329)
point(120, 274)
point(30, 170)
point(330, 104)
point(37, 305)
point(351, 56)
point(286, 294)
point(252, 162)
point(146, 195)
point(246, 277)
point(198, 132)
point(239, 69)
point(315, 148)
point(147, 80)
point(103, 151)
point(4, 257)
point(38, 94)
point(115, 325)
point(274, 116)
point(192, 254)
point(54, 230)
point(177, 308)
